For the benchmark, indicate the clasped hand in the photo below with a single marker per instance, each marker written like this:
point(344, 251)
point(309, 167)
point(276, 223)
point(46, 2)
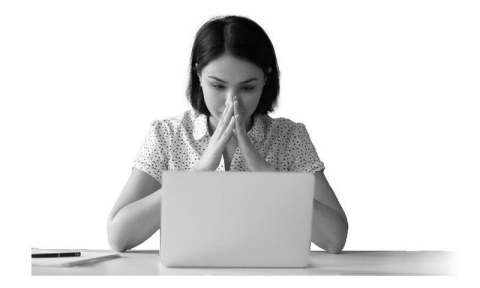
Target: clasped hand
point(231, 124)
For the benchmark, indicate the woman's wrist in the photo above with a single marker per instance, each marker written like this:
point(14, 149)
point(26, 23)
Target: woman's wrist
point(271, 168)
point(267, 167)
point(195, 169)
point(198, 168)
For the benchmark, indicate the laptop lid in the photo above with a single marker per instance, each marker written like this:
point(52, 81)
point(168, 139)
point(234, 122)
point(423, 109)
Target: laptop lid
point(236, 219)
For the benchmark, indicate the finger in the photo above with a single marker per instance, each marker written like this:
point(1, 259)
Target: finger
point(224, 113)
point(239, 127)
point(225, 119)
point(234, 133)
point(230, 110)
point(228, 132)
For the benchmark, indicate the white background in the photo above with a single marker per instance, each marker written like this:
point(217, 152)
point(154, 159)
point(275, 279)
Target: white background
point(386, 91)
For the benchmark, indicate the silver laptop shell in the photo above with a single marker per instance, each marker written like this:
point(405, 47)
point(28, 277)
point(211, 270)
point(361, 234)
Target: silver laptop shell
point(236, 219)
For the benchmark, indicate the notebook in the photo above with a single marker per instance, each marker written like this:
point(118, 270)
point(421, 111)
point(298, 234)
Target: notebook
point(236, 219)
point(86, 257)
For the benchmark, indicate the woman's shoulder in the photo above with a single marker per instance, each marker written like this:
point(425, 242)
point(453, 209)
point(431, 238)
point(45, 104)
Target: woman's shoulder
point(282, 124)
point(186, 118)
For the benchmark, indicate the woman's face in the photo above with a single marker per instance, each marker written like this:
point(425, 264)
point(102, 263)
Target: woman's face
point(225, 77)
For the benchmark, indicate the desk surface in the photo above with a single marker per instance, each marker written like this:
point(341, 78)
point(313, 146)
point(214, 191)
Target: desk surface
point(320, 263)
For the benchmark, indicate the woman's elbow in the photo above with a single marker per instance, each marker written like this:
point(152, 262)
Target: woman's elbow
point(117, 246)
point(334, 250)
point(115, 240)
point(336, 246)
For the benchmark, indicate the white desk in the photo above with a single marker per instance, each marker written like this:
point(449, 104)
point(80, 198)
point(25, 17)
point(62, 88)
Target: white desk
point(320, 263)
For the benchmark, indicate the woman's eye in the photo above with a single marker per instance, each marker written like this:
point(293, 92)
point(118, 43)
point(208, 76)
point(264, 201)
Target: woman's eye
point(221, 87)
point(218, 87)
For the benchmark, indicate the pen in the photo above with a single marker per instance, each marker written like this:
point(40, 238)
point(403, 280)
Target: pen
point(53, 255)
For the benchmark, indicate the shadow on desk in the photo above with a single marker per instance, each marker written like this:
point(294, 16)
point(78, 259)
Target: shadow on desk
point(374, 263)
point(383, 263)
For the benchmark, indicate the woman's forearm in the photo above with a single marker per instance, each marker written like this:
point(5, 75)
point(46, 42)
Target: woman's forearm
point(329, 229)
point(135, 223)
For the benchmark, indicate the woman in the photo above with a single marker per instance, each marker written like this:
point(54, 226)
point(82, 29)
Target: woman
point(234, 83)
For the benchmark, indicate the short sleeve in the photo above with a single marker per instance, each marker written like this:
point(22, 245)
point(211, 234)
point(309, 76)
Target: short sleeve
point(305, 157)
point(152, 158)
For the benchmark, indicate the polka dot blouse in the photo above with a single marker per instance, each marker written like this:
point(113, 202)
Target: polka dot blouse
point(178, 143)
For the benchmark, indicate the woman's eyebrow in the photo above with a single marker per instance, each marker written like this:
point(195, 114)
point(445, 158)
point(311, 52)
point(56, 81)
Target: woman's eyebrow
point(243, 82)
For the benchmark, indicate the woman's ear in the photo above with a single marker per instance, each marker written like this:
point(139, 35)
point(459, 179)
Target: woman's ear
point(265, 81)
point(199, 78)
point(199, 74)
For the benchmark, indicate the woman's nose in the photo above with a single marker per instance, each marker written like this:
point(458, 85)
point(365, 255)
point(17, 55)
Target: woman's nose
point(229, 96)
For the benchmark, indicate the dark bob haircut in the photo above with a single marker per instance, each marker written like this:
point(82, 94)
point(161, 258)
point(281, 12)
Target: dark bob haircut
point(243, 39)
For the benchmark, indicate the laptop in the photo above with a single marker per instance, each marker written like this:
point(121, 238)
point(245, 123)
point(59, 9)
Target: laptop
point(236, 219)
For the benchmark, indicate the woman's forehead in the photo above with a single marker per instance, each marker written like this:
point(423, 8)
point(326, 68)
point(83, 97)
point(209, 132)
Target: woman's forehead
point(228, 66)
